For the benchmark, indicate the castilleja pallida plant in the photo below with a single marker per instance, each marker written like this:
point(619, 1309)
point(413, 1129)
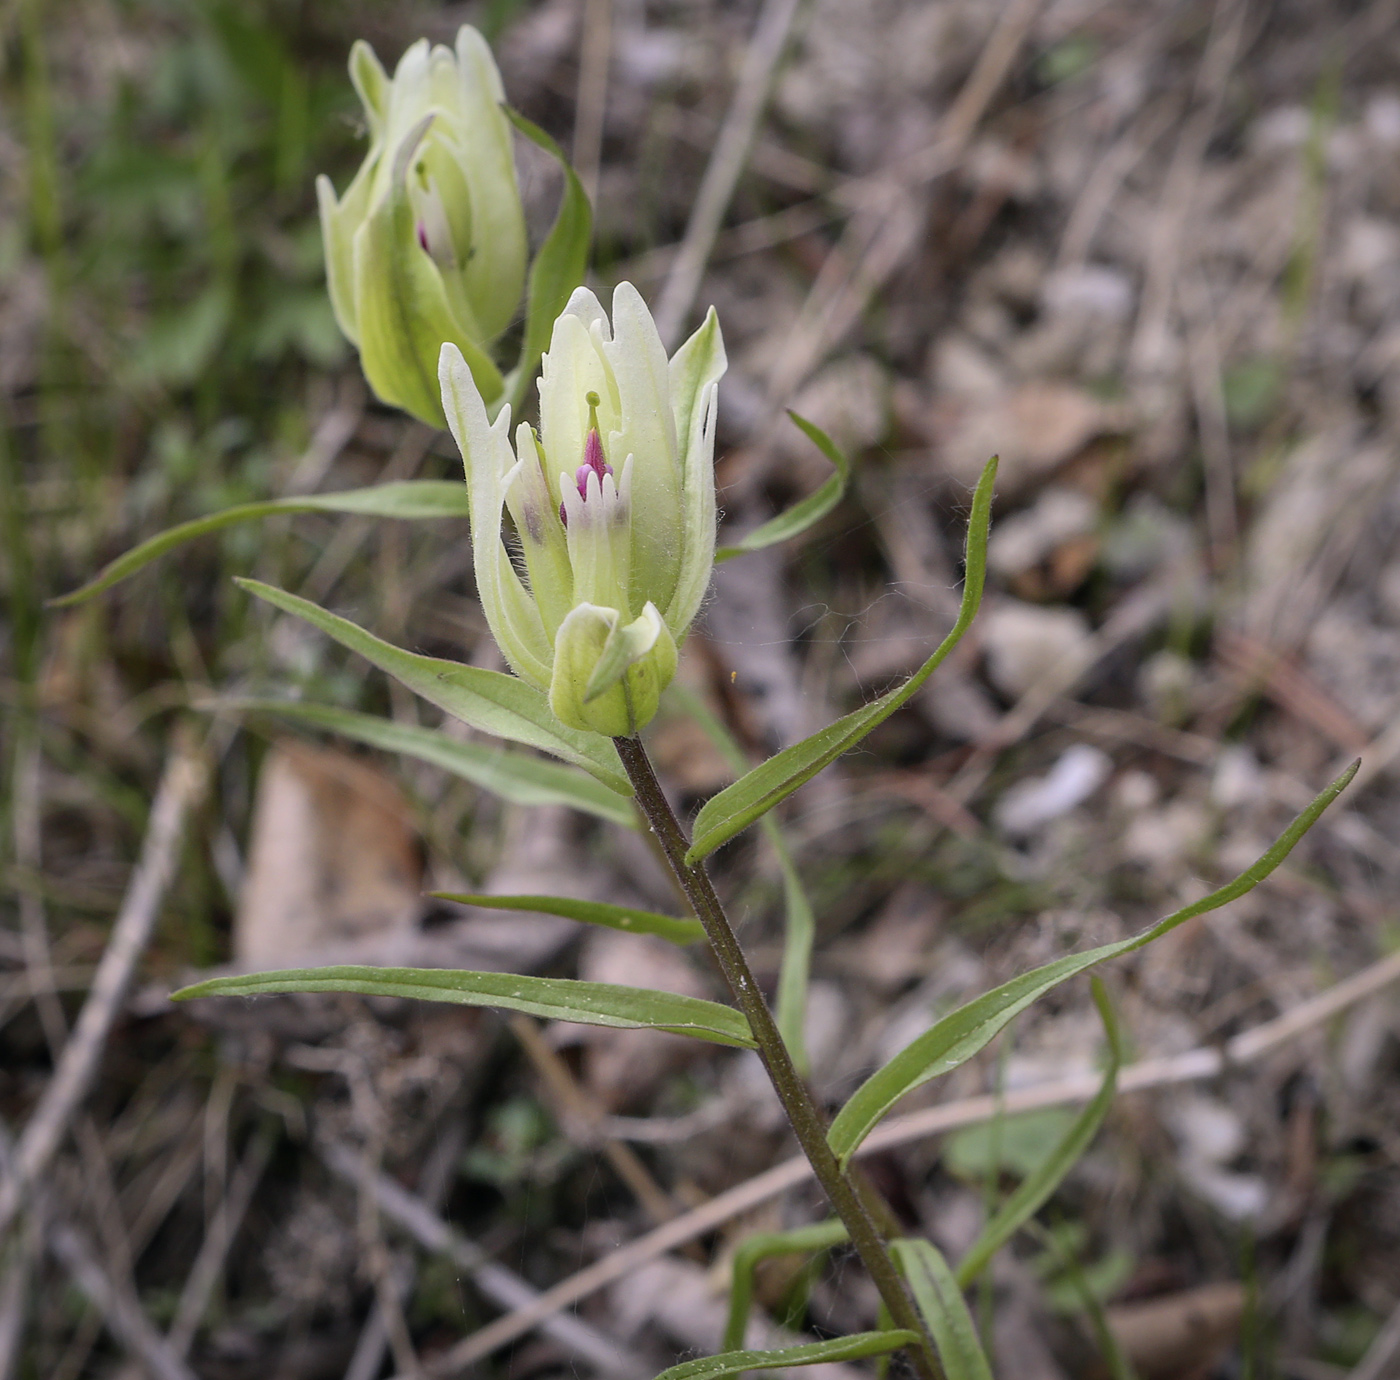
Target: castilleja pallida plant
point(612, 504)
point(593, 542)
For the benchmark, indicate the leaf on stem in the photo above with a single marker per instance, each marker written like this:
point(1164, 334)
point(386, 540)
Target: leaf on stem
point(559, 999)
point(752, 1250)
point(853, 1348)
point(514, 776)
point(411, 499)
point(940, 1301)
point(558, 269)
point(807, 511)
point(961, 1034)
point(737, 806)
point(678, 931)
point(502, 705)
point(1033, 1191)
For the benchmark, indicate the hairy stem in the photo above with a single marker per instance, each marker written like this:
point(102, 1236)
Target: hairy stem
point(806, 1119)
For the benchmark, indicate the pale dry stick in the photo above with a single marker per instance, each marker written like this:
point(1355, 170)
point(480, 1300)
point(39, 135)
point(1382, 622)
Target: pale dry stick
point(1108, 175)
point(1208, 393)
point(591, 103)
point(223, 1227)
point(1384, 1348)
point(1147, 350)
point(34, 928)
point(584, 1117)
point(180, 788)
point(433, 1184)
point(1190, 1067)
point(502, 1286)
point(14, 1307)
point(877, 239)
point(722, 173)
point(120, 1311)
point(333, 433)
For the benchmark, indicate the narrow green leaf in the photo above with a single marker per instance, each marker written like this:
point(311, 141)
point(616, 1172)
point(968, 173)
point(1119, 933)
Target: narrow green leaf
point(764, 1245)
point(853, 1348)
point(515, 776)
point(558, 269)
point(804, 513)
point(559, 999)
point(737, 806)
point(944, 1309)
point(489, 700)
point(800, 928)
point(634, 921)
point(1035, 1188)
point(961, 1034)
point(410, 500)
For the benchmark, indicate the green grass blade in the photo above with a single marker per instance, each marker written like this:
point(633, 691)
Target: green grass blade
point(502, 705)
point(737, 806)
point(853, 1348)
point(410, 500)
point(678, 931)
point(559, 267)
point(961, 1034)
point(559, 999)
point(514, 776)
point(944, 1309)
point(804, 513)
point(801, 1241)
point(1036, 1188)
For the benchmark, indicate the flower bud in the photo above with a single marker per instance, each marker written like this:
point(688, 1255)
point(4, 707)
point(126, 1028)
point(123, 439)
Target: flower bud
point(613, 508)
point(428, 243)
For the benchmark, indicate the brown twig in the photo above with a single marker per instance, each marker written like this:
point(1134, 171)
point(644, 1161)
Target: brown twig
point(180, 788)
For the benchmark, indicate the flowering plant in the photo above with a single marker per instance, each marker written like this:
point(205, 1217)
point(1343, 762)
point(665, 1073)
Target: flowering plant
point(613, 505)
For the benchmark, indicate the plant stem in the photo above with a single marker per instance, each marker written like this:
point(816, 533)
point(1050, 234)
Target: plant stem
point(808, 1124)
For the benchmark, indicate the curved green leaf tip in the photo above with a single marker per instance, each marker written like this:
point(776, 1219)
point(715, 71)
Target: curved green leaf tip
point(953, 1040)
point(408, 500)
point(753, 795)
point(805, 512)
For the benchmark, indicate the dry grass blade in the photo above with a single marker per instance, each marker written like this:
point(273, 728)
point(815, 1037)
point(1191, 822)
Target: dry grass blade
point(726, 164)
point(502, 1286)
point(180, 788)
point(119, 1309)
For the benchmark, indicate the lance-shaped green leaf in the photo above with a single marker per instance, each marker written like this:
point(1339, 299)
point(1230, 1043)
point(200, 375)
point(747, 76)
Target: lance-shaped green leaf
point(800, 927)
point(1033, 1191)
point(805, 512)
point(558, 268)
point(960, 1035)
point(678, 931)
point(559, 999)
point(409, 500)
point(853, 1348)
point(737, 806)
point(944, 1309)
point(489, 700)
point(514, 776)
point(763, 1246)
